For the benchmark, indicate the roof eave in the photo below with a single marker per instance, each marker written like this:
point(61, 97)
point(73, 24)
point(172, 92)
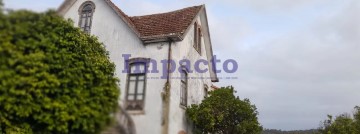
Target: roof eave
point(215, 80)
point(161, 38)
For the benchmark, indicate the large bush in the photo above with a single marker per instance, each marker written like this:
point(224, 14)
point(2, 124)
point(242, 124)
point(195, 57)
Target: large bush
point(53, 77)
point(223, 113)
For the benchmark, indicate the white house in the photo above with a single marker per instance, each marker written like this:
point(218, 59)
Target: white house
point(151, 101)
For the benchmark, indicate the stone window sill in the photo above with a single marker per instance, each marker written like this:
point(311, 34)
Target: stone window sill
point(136, 112)
point(182, 107)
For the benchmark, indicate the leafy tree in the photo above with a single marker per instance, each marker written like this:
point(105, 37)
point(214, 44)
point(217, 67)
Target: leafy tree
point(1, 6)
point(224, 113)
point(357, 119)
point(54, 78)
point(342, 124)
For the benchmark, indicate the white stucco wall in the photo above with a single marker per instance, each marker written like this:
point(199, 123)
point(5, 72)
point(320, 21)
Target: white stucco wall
point(185, 50)
point(120, 39)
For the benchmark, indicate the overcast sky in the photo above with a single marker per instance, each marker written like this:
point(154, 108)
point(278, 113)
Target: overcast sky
point(299, 60)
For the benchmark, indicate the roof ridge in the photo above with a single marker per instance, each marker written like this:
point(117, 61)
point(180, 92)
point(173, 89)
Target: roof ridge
point(168, 12)
point(164, 25)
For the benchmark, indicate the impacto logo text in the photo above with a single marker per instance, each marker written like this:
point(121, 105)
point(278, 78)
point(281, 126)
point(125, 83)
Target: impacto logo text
point(143, 65)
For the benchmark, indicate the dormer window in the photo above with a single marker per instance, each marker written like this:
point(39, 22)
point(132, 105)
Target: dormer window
point(86, 12)
point(197, 38)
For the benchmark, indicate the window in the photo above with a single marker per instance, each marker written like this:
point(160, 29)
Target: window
point(86, 12)
point(135, 94)
point(183, 88)
point(197, 38)
point(205, 91)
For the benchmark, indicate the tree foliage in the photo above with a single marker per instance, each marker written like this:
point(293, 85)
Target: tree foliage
point(224, 113)
point(342, 124)
point(357, 119)
point(1, 6)
point(54, 78)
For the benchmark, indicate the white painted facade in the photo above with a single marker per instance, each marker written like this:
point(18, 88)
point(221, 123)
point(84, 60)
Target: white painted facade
point(120, 39)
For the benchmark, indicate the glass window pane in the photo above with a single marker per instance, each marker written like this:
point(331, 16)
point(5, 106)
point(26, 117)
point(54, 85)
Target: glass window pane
point(132, 77)
point(184, 87)
point(181, 93)
point(142, 68)
point(140, 87)
point(195, 35)
point(138, 68)
point(87, 8)
point(141, 77)
point(131, 97)
point(83, 20)
point(88, 21)
point(131, 87)
point(139, 97)
point(184, 95)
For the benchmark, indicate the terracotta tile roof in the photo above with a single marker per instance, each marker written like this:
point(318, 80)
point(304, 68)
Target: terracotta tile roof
point(165, 24)
point(151, 27)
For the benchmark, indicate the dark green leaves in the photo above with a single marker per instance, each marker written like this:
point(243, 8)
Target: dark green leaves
point(342, 124)
point(223, 113)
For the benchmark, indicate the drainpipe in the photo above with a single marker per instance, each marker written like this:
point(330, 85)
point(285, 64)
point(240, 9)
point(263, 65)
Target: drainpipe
point(169, 62)
point(166, 95)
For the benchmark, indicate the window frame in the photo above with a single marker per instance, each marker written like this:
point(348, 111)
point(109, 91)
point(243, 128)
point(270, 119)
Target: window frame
point(135, 101)
point(206, 91)
point(197, 37)
point(88, 15)
point(184, 92)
